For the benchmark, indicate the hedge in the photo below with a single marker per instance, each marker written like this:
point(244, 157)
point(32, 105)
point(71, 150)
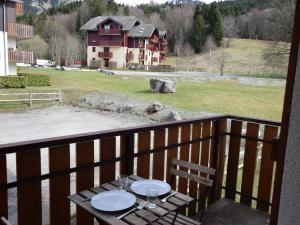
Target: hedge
point(24, 80)
point(36, 80)
point(13, 82)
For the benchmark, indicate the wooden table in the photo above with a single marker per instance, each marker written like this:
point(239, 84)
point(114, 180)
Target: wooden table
point(162, 214)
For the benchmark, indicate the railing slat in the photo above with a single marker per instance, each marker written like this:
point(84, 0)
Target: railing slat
point(172, 153)
point(233, 159)
point(29, 195)
point(204, 155)
point(127, 152)
point(3, 193)
point(266, 170)
point(220, 155)
point(159, 157)
point(59, 160)
point(107, 152)
point(143, 161)
point(249, 164)
point(184, 155)
point(84, 179)
point(195, 153)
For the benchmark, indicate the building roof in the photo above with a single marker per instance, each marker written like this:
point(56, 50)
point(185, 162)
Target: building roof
point(127, 22)
point(142, 30)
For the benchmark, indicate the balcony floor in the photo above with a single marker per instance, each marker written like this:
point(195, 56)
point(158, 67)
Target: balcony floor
point(227, 212)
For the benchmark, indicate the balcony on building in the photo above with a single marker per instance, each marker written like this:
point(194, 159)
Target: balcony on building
point(20, 31)
point(154, 39)
point(110, 31)
point(19, 56)
point(105, 54)
point(109, 43)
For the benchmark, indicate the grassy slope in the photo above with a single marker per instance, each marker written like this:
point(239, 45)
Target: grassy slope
point(244, 57)
point(219, 97)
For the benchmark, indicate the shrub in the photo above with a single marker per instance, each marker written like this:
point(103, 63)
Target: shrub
point(24, 80)
point(96, 64)
point(13, 82)
point(112, 65)
point(38, 80)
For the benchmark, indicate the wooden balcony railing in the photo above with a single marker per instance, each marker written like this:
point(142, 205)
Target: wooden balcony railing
point(21, 31)
point(232, 145)
point(153, 48)
point(110, 43)
point(154, 39)
point(105, 54)
point(112, 31)
point(129, 56)
point(20, 56)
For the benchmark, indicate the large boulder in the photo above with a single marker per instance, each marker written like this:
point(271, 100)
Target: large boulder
point(162, 85)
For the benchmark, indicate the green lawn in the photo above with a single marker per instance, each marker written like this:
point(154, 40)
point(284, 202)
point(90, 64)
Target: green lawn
point(212, 96)
point(242, 57)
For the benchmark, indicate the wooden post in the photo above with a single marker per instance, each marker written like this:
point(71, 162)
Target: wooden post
point(30, 97)
point(219, 158)
point(291, 76)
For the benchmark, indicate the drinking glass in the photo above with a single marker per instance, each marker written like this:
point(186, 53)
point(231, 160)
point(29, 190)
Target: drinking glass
point(123, 182)
point(152, 197)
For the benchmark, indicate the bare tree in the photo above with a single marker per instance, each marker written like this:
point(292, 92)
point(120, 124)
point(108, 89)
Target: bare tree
point(222, 60)
point(187, 52)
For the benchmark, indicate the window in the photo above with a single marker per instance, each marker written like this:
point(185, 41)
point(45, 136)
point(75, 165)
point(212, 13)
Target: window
point(93, 58)
point(106, 27)
point(94, 49)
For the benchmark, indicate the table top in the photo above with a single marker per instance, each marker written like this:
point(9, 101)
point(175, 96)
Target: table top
point(138, 217)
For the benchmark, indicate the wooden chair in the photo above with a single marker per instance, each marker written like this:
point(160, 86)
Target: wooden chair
point(202, 176)
point(5, 221)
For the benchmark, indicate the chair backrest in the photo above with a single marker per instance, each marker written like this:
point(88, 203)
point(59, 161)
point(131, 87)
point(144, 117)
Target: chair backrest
point(190, 176)
point(5, 221)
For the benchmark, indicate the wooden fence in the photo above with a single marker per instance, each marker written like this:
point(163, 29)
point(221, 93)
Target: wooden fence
point(30, 97)
point(146, 151)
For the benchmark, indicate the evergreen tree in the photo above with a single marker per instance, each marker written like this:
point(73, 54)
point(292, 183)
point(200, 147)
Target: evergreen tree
point(96, 7)
point(111, 7)
point(126, 11)
point(215, 23)
point(197, 33)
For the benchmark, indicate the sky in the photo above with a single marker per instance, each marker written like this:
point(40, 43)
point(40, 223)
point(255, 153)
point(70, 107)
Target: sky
point(135, 2)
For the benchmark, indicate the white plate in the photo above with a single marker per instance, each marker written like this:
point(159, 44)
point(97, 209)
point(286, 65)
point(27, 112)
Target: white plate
point(111, 201)
point(141, 187)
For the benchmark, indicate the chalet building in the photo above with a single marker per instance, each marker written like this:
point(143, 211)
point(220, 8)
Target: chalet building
point(10, 32)
point(118, 41)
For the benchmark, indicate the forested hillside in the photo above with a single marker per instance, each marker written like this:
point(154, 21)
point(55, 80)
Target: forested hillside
point(192, 27)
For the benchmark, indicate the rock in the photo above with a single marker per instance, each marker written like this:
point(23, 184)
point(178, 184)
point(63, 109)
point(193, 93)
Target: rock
point(108, 72)
point(125, 108)
point(162, 85)
point(154, 107)
point(174, 116)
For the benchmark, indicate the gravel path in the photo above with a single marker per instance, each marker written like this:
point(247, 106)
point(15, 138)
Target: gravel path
point(60, 121)
point(203, 76)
